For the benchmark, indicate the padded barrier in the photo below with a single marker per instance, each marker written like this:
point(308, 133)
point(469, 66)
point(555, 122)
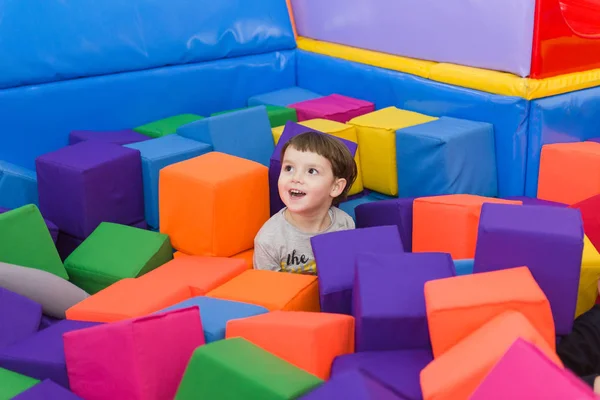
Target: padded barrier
point(53, 40)
point(509, 115)
point(468, 77)
point(571, 117)
point(37, 120)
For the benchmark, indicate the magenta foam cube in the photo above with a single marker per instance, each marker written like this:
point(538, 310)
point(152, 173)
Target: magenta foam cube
point(334, 107)
point(525, 373)
point(141, 358)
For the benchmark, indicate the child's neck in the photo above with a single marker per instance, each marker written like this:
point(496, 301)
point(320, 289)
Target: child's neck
point(309, 223)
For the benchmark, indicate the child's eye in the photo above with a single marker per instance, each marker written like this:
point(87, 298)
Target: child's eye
point(287, 168)
point(313, 171)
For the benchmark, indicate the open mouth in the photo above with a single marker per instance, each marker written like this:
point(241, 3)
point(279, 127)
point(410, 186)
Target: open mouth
point(296, 193)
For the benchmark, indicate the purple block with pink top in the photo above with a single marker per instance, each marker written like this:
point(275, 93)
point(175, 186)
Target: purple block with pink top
point(397, 212)
point(122, 137)
point(334, 107)
point(20, 317)
point(46, 390)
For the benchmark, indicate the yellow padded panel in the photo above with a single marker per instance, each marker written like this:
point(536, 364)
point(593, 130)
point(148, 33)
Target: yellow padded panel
point(377, 145)
point(588, 281)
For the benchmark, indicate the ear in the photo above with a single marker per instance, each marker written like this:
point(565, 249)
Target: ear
point(338, 187)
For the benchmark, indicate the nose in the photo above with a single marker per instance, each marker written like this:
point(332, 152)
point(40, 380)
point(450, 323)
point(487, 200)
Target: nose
point(297, 177)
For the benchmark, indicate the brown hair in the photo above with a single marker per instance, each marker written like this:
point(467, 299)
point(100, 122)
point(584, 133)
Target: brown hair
point(331, 148)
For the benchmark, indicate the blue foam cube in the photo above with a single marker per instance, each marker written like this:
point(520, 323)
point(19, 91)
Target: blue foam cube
point(446, 156)
point(18, 186)
point(244, 133)
point(464, 266)
point(157, 154)
point(214, 314)
point(283, 97)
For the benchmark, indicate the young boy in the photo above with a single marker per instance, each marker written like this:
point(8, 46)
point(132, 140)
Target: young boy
point(317, 171)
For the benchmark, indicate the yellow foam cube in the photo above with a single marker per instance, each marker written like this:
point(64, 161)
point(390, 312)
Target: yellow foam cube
point(277, 132)
point(376, 133)
point(588, 280)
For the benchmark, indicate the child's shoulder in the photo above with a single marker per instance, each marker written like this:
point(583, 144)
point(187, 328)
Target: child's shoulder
point(272, 226)
point(342, 220)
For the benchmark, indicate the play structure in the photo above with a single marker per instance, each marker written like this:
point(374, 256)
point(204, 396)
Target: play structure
point(140, 150)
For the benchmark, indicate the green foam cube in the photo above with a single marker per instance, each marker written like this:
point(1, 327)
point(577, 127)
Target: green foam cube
point(12, 384)
point(237, 369)
point(166, 126)
point(114, 252)
point(26, 241)
point(277, 115)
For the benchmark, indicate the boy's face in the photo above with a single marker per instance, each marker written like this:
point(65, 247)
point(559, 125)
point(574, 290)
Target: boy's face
point(306, 182)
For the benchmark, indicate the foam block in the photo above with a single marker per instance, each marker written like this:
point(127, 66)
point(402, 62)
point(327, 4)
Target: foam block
point(215, 313)
point(397, 370)
point(125, 299)
point(290, 130)
point(314, 339)
point(334, 107)
point(388, 299)
point(464, 266)
point(272, 290)
point(449, 224)
point(477, 354)
point(278, 116)
point(283, 97)
point(335, 256)
point(548, 240)
point(41, 355)
point(397, 212)
point(590, 214)
point(524, 372)
point(82, 185)
point(19, 317)
point(245, 133)
point(247, 256)
point(377, 139)
point(113, 252)
point(532, 201)
point(11, 383)
point(157, 154)
point(349, 206)
point(446, 156)
point(52, 228)
point(102, 360)
point(166, 126)
point(235, 368)
point(354, 385)
point(213, 205)
point(46, 390)
point(122, 137)
point(458, 306)
point(18, 186)
point(569, 172)
point(26, 241)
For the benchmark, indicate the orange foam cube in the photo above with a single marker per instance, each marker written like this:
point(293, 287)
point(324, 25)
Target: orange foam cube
point(272, 290)
point(127, 298)
point(449, 223)
point(214, 204)
point(197, 273)
point(569, 172)
point(460, 305)
point(457, 373)
point(312, 339)
point(247, 256)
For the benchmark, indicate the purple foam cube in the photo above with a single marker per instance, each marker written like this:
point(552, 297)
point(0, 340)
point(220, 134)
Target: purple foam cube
point(548, 240)
point(47, 321)
point(290, 130)
point(532, 201)
point(52, 228)
point(397, 212)
point(354, 385)
point(389, 299)
point(91, 182)
point(335, 256)
point(121, 137)
point(596, 139)
point(42, 354)
point(47, 390)
point(398, 370)
point(20, 317)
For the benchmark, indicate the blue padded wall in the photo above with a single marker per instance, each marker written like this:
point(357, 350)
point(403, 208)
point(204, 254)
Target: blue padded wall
point(50, 40)
point(569, 117)
point(37, 119)
point(509, 115)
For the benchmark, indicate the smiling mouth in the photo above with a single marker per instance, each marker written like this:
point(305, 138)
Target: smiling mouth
point(296, 193)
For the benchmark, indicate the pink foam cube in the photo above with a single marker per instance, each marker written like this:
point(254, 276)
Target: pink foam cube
point(141, 358)
point(334, 107)
point(525, 373)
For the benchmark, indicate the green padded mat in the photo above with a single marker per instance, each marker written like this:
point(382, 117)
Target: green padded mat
point(114, 252)
point(237, 369)
point(277, 115)
point(26, 241)
point(166, 126)
point(11, 384)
